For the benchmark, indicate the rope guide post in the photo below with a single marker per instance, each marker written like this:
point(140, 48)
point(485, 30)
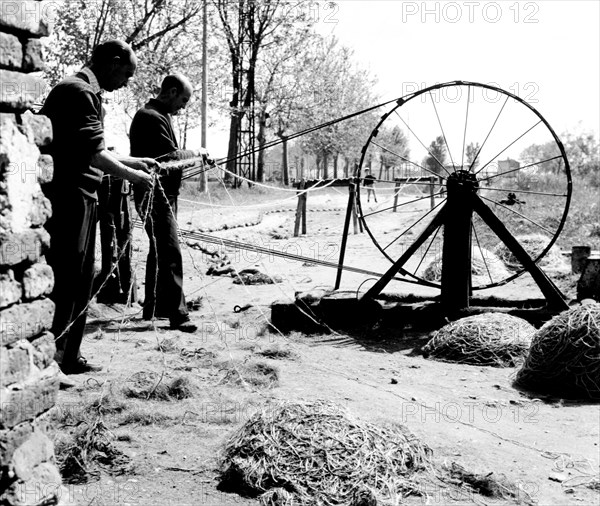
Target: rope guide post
point(301, 210)
point(396, 191)
point(350, 212)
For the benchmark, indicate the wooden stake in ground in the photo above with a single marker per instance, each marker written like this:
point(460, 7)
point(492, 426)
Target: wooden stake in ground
point(300, 210)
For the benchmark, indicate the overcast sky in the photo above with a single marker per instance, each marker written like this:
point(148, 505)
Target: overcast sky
point(546, 52)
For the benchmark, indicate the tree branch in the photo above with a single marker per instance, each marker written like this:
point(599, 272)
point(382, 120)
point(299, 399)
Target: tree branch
point(167, 29)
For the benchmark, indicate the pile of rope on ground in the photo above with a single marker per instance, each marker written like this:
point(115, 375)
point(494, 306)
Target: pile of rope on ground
point(486, 268)
point(496, 339)
point(533, 244)
point(317, 454)
point(564, 358)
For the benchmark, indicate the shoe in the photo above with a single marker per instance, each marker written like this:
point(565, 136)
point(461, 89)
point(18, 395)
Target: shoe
point(81, 366)
point(64, 381)
point(183, 324)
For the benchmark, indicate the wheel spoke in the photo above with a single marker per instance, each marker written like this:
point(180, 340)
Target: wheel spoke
point(519, 214)
point(416, 222)
point(403, 204)
point(390, 181)
point(526, 191)
point(481, 251)
point(489, 133)
point(427, 250)
point(442, 129)
point(420, 142)
point(462, 161)
point(407, 160)
point(520, 168)
point(520, 136)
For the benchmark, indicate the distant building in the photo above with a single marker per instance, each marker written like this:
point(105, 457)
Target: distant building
point(508, 167)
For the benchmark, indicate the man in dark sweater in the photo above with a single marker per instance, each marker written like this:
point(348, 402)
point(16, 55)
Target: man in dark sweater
point(152, 134)
point(74, 107)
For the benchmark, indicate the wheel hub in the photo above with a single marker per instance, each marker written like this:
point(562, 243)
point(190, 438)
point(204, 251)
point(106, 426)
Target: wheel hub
point(461, 182)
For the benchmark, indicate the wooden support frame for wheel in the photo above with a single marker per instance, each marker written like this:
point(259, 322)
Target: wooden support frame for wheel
point(472, 212)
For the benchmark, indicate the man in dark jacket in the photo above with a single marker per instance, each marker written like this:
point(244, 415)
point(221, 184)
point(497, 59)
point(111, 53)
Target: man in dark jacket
point(152, 134)
point(74, 107)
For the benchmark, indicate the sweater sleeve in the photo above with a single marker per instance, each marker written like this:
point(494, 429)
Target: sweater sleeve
point(91, 129)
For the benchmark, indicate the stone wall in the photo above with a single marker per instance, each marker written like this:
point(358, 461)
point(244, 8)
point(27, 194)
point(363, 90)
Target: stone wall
point(28, 373)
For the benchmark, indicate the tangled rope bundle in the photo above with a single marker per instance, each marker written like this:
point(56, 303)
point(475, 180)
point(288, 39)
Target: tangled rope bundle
point(486, 267)
point(496, 339)
point(317, 454)
point(534, 244)
point(565, 355)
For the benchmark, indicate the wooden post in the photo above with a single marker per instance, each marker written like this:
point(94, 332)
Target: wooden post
point(354, 215)
point(360, 223)
point(351, 198)
point(396, 190)
point(431, 191)
point(300, 215)
point(456, 251)
point(303, 199)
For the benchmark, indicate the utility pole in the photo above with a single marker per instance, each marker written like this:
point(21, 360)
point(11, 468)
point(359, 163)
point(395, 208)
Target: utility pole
point(204, 175)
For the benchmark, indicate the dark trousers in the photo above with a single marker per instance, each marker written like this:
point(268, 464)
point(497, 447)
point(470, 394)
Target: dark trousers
point(116, 281)
point(72, 231)
point(164, 267)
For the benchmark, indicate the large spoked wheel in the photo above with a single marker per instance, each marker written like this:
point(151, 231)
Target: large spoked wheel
point(483, 140)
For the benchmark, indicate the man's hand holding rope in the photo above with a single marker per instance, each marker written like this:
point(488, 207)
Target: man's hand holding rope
point(144, 168)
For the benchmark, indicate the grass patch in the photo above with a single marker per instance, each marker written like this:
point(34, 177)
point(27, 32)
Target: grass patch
point(256, 373)
point(168, 345)
point(149, 386)
point(147, 417)
point(276, 351)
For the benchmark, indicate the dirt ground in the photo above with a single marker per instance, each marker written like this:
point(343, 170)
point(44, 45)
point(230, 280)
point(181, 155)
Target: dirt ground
point(470, 415)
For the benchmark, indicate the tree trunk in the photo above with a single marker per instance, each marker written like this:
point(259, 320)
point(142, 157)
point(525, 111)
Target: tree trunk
point(262, 138)
point(325, 165)
point(232, 149)
point(335, 166)
point(236, 117)
point(318, 162)
point(380, 170)
point(286, 176)
point(296, 168)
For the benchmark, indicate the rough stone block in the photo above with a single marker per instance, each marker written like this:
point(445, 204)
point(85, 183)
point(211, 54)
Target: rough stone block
point(10, 289)
point(26, 246)
point(45, 167)
point(37, 127)
point(44, 487)
point(33, 59)
point(19, 92)
point(11, 439)
point(29, 400)
point(36, 450)
point(24, 321)
point(11, 51)
point(38, 280)
point(18, 173)
point(27, 17)
point(44, 348)
point(40, 210)
point(15, 363)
